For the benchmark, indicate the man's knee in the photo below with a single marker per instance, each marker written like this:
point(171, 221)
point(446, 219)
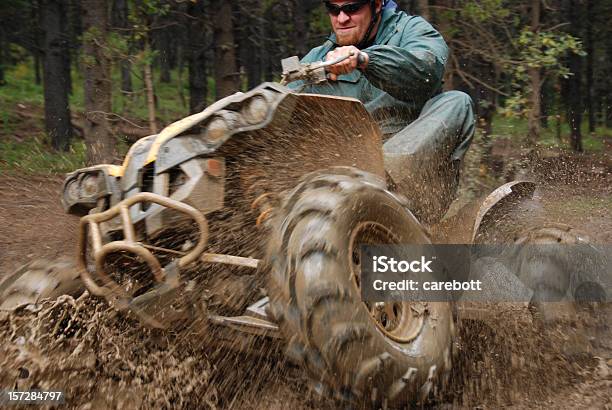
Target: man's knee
point(460, 99)
point(453, 105)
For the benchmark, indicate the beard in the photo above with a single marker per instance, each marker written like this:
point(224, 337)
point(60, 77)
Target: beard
point(350, 38)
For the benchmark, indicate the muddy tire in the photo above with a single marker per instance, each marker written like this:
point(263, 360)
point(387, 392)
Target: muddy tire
point(557, 266)
point(561, 273)
point(348, 350)
point(40, 279)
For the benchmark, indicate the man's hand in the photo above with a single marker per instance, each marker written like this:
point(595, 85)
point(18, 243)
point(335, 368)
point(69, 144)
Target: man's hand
point(348, 65)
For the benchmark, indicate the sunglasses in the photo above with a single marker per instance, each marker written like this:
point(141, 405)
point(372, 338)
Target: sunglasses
point(348, 8)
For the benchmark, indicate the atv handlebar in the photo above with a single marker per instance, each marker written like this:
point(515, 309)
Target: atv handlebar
point(360, 60)
point(325, 64)
point(313, 73)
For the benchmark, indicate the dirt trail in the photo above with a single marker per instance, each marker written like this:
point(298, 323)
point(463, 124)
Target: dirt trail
point(33, 223)
point(103, 361)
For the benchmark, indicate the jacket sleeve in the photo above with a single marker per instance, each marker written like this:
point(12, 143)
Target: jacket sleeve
point(411, 64)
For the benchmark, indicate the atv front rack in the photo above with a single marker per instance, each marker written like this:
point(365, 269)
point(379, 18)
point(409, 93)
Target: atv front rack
point(157, 307)
point(147, 306)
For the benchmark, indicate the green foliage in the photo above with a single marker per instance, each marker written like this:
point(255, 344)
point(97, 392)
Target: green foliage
point(517, 128)
point(118, 44)
point(545, 50)
point(31, 153)
point(91, 35)
point(517, 105)
point(134, 106)
point(17, 53)
point(542, 50)
point(319, 21)
point(87, 60)
point(141, 14)
point(146, 56)
point(499, 33)
point(483, 34)
point(483, 10)
point(151, 7)
point(33, 156)
point(20, 87)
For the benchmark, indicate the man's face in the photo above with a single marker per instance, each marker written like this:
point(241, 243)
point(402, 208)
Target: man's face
point(351, 27)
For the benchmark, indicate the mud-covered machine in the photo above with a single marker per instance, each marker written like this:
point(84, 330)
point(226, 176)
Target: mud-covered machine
point(250, 215)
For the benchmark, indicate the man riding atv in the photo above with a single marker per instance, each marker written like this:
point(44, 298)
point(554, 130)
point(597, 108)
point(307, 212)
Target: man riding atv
point(251, 214)
point(395, 69)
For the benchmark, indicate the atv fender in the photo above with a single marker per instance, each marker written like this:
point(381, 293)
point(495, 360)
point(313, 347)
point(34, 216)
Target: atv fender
point(500, 202)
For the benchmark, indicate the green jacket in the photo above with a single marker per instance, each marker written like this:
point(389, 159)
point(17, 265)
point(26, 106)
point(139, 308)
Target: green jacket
point(406, 68)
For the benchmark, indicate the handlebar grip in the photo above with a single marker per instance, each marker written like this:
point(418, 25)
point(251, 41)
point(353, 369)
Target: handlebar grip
point(361, 59)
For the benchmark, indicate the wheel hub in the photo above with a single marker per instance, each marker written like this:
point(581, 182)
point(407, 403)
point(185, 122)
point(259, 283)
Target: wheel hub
point(399, 321)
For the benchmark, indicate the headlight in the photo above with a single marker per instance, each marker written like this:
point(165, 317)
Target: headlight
point(72, 190)
point(255, 110)
point(89, 185)
point(84, 187)
point(216, 130)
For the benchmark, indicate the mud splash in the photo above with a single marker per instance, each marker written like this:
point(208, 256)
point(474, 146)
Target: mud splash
point(103, 360)
point(516, 359)
point(100, 360)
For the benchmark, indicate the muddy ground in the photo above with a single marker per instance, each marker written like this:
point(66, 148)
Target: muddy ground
point(104, 361)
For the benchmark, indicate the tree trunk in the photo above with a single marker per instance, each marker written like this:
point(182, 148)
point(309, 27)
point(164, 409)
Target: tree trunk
point(266, 34)
point(196, 47)
point(253, 65)
point(163, 44)
point(485, 111)
point(120, 21)
point(3, 45)
point(148, 79)
point(250, 41)
point(535, 76)
point(574, 83)
point(226, 74)
point(590, 50)
point(67, 49)
point(179, 74)
point(546, 103)
point(606, 86)
point(491, 75)
point(57, 109)
point(164, 68)
point(97, 89)
point(76, 28)
point(446, 25)
point(575, 105)
point(38, 51)
point(423, 6)
point(607, 98)
point(535, 112)
point(37, 76)
point(300, 27)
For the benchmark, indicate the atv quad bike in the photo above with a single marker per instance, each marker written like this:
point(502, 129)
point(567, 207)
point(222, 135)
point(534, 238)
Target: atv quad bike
point(263, 190)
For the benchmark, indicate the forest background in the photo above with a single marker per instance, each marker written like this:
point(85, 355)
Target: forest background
point(80, 80)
